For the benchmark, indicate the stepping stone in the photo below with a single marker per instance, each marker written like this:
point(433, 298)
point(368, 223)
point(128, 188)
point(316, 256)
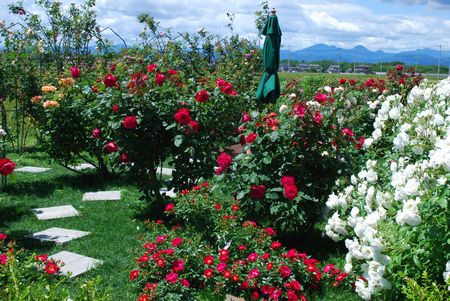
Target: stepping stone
point(166, 171)
point(32, 169)
point(75, 264)
point(55, 212)
point(170, 193)
point(82, 166)
point(102, 196)
point(59, 235)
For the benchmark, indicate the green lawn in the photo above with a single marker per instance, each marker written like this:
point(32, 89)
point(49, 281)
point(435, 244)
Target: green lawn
point(113, 224)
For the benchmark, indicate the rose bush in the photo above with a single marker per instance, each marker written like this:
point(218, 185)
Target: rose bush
point(394, 214)
point(207, 243)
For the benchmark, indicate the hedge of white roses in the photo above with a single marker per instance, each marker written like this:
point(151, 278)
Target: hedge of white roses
point(393, 215)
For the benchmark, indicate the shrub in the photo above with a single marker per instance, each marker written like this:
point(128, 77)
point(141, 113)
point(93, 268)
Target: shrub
point(394, 213)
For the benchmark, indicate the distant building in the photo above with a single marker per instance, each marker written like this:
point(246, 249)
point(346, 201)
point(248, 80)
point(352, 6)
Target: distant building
point(334, 69)
point(362, 69)
point(302, 68)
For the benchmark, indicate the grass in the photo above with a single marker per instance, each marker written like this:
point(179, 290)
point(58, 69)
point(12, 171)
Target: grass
point(113, 225)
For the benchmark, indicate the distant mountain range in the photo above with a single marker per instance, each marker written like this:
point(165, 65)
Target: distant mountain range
point(360, 54)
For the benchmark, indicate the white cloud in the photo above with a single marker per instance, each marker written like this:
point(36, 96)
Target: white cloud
point(303, 22)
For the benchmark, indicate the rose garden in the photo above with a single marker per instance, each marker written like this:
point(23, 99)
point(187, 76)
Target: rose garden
point(154, 173)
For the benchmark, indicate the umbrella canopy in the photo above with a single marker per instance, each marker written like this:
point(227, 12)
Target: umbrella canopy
point(269, 85)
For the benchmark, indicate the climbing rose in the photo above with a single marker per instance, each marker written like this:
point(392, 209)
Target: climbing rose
point(269, 231)
point(360, 143)
point(96, 133)
point(177, 241)
point(275, 245)
point(320, 97)
point(182, 116)
point(318, 118)
point(41, 257)
point(247, 117)
point(172, 277)
point(130, 122)
point(347, 132)
point(3, 236)
point(224, 160)
point(111, 147)
point(208, 273)
point(202, 96)
point(185, 283)
point(342, 81)
point(169, 207)
point(110, 80)
point(193, 125)
point(75, 72)
point(3, 259)
point(115, 108)
point(285, 271)
point(172, 72)
point(208, 260)
point(257, 192)
point(399, 68)
point(253, 273)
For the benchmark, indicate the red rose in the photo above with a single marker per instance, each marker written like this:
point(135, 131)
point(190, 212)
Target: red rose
point(342, 81)
point(252, 257)
point(172, 72)
point(96, 133)
point(151, 68)
point(178, 265)
point(291, 296)
point(6, 166)
point(290, 192)
point(255, 295)
point(208, 273)
point(320, 97)
point(318, 118)
point(112, 68)
point(284, 271)
point(3, 236)
point(347, 132)
point(244, 285)
point(169, 207)
point(287, 180)
point(202, 96)
point(143, 297)
point(275, 245)
point(177, 241)
point(130, 122)
point(352, 82)
point(171, 277)
point(269, 231)
point(360, 143)
point(185, 283)
point(193, 126)
point(95, 89)
point(160, 262)
point(110, 80)
point(160, 239)
point(42, 257)
point(257, 192)
point(123, 158)
point(224, 160)
point(115, 108)
point(51, 268)
point(247, 117)
point(250, 137)
point(399, 68)
point(208, 260)
point(182, 116)
point(75, 72)
point(111, 147)
point(253, 273)
point(3, 259)
point(221, 267)
point(159, 79)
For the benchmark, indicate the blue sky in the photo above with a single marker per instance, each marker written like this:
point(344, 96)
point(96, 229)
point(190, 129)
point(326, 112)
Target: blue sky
point(389, 25)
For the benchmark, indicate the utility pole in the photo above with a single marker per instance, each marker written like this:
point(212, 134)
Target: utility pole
point(439, 63)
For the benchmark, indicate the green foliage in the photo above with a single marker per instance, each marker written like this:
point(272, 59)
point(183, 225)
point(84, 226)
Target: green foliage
point(426, 289)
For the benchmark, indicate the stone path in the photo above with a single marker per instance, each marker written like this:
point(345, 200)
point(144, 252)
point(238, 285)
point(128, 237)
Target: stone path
point(166, 171)
point(82, 166)
point(75, 264)
point(32, 169)
point(59, 235)
point(55, 212)
point(170, 193)
point(102, 196)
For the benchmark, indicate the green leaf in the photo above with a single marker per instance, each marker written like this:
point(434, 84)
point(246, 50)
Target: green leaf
point(178, 140)
point(171, 126)
point(267, 160)
point(240, 195)
point(272, 196)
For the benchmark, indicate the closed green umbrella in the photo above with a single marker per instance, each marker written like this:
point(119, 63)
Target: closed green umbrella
point(269, 85)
